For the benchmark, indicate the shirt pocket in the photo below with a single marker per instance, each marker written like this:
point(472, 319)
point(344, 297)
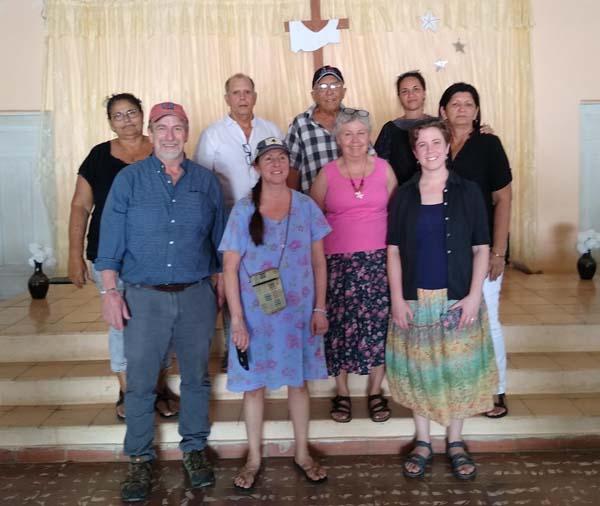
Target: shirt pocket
point(196, 211)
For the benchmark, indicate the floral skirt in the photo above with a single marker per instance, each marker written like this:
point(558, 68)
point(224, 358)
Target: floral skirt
point(358, 301)
point(441, 374)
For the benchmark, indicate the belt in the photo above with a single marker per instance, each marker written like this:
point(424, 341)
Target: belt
point(173, 287)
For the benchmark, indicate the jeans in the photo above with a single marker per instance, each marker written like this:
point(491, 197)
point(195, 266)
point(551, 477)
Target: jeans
point(115, 337)
point(118, 363)
point(491, 294)
point(187, 320)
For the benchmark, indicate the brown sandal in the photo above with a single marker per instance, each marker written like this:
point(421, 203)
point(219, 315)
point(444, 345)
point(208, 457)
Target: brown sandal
point(378, 410)
point(166, 404)
point(341, 409)
point(248, 473)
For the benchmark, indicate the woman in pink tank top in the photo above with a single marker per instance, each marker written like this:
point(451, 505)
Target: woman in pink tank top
point(353, 192)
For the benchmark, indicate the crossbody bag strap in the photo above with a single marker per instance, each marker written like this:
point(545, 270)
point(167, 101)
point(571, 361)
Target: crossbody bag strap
point(285, 240)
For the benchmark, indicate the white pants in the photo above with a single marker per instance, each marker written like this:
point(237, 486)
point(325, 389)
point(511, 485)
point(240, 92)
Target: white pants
point(491, 294)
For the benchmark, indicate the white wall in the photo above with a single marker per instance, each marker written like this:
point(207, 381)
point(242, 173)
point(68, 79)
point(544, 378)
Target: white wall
point(566, 44)
point(21, 54)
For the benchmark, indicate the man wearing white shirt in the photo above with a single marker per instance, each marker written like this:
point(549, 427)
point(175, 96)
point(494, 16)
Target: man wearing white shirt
point(227, 147)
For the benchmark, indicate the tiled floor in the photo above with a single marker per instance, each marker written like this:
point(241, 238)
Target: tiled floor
point(534, 479)
point(526, 300)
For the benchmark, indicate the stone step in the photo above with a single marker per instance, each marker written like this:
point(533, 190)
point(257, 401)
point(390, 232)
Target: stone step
point(50, 383)
point(81, 346)
point(94, 427)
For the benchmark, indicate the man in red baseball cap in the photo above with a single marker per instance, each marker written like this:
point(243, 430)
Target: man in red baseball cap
point(162, 222)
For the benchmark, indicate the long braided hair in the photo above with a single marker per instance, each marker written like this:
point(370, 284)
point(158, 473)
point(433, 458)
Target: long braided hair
point(257, 224)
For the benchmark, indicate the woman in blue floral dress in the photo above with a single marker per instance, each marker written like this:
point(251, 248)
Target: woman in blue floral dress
point(277, 228)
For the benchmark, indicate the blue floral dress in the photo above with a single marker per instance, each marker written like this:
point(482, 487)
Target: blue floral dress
point(282, 349)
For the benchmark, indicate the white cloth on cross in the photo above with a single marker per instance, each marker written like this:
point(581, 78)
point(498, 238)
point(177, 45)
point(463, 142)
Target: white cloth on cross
point(303, 38)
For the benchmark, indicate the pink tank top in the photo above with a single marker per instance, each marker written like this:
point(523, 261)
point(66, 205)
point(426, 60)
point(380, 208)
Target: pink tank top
point(358, 224)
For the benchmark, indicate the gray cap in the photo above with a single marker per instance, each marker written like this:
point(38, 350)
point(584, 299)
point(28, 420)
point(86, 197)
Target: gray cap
point(268, 144)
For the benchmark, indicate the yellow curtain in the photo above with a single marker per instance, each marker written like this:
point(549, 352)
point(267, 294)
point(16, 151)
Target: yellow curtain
point(184, 50)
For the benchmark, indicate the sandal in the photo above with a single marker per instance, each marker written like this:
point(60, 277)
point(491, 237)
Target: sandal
point(341, 409)
point(378, 410)
point(120, 402)
point(500, 403)
point(249, 474)
point(314, 468)
point(166, 404)
point(418, 460)
point(459, 460)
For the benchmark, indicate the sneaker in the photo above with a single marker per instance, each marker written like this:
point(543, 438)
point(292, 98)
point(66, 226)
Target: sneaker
point(199, 469)
point(138, 484)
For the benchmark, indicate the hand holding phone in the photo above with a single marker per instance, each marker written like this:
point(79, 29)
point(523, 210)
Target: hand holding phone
point(243, 358)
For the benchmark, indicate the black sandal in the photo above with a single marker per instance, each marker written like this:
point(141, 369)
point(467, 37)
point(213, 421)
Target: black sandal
point(120, 402)
point(459, 460)
point(418, 460)
point(500, 403)
point(341, 406)
point(381, 406)
point(166, 398)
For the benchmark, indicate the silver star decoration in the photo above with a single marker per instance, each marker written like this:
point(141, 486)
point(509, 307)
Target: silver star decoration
point(440, 65)
point(459, 47)
point(429, 22)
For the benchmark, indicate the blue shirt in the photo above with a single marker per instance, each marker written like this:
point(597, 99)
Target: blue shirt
point(432, 264)
point(155, 232)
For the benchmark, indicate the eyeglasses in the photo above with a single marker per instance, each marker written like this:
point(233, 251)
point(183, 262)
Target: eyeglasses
point(248, 151)
point(328, 86)
point(349, 111)
point(120, 116)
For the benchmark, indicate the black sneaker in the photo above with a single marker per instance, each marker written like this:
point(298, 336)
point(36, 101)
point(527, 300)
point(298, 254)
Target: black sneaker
point(138, 484)
point(199, 469)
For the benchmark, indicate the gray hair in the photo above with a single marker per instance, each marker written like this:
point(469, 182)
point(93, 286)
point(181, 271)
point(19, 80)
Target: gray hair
point(344, 118)
point(239, 75)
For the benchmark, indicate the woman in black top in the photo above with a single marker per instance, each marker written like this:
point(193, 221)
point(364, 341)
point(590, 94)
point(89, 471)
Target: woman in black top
point(96, 175)
point(392, 143)
point(439, 356)
point(481, 158)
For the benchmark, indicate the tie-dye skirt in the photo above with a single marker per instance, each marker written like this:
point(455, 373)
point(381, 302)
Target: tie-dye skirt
point(441, 374)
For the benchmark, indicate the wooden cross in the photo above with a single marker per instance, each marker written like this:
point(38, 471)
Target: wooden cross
point(315, 23)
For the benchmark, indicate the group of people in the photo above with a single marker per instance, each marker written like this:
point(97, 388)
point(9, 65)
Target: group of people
point(328, 256)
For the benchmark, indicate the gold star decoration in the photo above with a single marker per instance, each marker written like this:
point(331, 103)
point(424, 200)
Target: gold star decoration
point(459, 47)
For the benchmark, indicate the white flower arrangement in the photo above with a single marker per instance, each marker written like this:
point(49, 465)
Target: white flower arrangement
point(41, 254)
point(588, 240)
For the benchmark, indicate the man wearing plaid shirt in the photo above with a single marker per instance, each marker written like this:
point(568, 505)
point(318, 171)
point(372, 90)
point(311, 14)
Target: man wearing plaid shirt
point(310, 137)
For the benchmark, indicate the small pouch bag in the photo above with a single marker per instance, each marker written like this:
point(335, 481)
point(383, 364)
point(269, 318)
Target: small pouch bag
point(267, 284)
point(269, 290)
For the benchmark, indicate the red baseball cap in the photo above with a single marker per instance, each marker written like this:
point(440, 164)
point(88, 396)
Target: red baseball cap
point(167, 109)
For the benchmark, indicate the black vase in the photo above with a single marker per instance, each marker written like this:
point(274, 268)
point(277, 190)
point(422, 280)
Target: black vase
point(38, 283)
point(586, 265)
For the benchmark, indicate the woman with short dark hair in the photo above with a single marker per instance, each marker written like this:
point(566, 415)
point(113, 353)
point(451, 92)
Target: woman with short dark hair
point(96, 175)
point(481, 158)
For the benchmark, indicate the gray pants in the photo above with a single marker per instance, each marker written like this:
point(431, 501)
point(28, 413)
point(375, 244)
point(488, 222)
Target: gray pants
point(187, 321)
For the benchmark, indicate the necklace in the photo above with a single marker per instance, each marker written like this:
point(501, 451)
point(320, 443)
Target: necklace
point(358, 193)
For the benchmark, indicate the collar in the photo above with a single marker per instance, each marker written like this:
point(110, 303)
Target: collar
point(453, 179)
point(230, 121)
point(160, 165)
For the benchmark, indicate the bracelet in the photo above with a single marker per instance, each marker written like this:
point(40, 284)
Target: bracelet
point(319, 310)
point(113, 289)
point(498, 254)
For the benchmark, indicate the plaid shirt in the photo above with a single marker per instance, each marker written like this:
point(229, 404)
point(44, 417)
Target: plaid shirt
point(311, 147)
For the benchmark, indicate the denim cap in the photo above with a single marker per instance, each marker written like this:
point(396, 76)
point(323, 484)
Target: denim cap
point(167, 109)
point(327, 71)
point(267, 145)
